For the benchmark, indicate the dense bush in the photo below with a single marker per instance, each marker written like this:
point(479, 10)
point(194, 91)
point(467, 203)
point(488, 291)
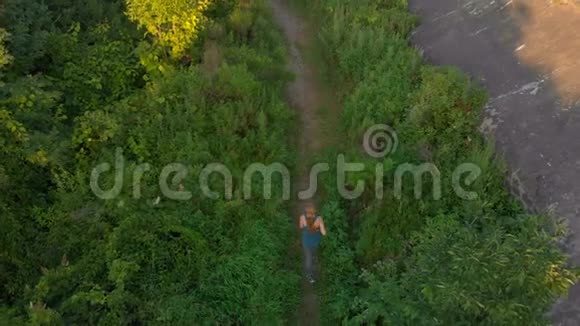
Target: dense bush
point(79, 82)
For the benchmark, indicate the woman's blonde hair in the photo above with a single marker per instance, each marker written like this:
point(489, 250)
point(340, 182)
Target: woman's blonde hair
point(310, 215)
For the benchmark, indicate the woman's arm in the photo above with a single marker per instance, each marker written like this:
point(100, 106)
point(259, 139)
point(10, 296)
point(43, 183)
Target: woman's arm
point(303, 223)
point(322, 226)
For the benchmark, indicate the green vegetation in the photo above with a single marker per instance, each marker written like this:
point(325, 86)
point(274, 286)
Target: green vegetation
point(198, 82)
point(422, 261)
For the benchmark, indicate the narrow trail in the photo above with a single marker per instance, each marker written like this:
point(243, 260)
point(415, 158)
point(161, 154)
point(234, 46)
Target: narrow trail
point(309, 97)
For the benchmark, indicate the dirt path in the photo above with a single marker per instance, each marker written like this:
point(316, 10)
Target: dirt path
point(526, 54)
point(310, 98)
